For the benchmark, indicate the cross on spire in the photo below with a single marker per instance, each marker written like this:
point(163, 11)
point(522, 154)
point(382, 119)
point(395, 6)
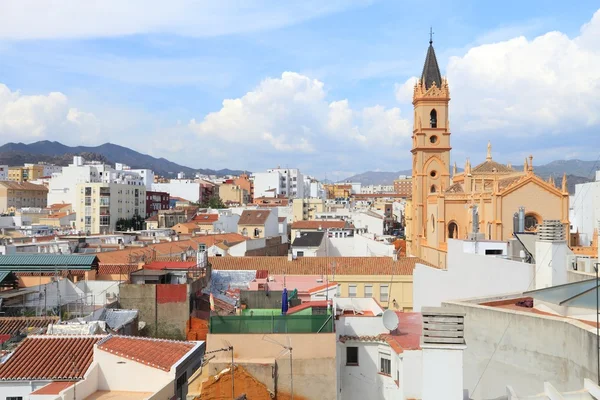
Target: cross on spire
point(431, 35)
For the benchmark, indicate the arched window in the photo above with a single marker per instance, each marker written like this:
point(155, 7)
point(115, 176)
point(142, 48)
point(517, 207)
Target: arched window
point(432, 189)
point(244, 232)
point(432, 223)
point(531, 222)
point(256, 232)
point(452, 230)
point(433, 119)
point(489, 225)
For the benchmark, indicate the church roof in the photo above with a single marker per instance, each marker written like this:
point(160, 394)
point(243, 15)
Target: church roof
point(431, 70)
point(490, 166)
point(506, 182)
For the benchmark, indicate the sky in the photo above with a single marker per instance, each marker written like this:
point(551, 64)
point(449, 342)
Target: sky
point(324, 86)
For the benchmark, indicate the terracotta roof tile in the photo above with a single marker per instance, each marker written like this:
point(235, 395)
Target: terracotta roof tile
point(329, 224)
point(113, 269)
point(254, 217)
point(54, 387)
point(179, 265)
point(206, 218)
point(23, 186)
point(58, 206)
point(12, 325)
point(42, 358)
point(157, 353)
point(490, 166)
point(506, 182)
point(320, 265)
point(281, 219)
point(152, 218)
point(456, 188)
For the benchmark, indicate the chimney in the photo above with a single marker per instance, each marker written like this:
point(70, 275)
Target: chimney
point(290, 256)
point(521, 219)
point(550, 255)
point(516, 223)
point(442, 346)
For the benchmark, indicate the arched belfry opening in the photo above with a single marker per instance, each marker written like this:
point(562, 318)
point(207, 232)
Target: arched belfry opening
point(433, 119)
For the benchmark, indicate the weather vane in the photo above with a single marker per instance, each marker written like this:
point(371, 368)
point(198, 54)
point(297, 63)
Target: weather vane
point(430, 35)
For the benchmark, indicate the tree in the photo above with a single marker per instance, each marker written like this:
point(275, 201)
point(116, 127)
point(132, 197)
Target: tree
point(213, 202)
point(135, 223)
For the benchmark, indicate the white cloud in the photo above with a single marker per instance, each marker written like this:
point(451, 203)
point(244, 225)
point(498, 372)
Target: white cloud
point(33, 19)
point(544, 86)
point(291, 114)
point(37, 117)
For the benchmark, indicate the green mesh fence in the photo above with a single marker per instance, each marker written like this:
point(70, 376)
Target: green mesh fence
point(271, 324)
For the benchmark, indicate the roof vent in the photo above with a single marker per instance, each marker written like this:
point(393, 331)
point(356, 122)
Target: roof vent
point(551, 230)
point(442, 326)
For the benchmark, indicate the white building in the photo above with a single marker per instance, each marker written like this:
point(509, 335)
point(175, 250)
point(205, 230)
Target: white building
point(288, 182)
point(377, 189)
point(188, 189)
point(585, 210)
point(388, 356)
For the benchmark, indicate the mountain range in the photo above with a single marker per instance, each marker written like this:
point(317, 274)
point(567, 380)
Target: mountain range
point(577, 171)
point(57, 153)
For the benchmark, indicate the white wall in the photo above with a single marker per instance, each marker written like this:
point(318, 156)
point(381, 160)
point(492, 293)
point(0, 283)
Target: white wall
point(227, 223)
point(20, 389)
point(372, 224)
point(468, 275)
point(586, 209)
point(442, 373)
point(272, 225)
point(551, 260)
point(185, 188)
point(358, 246)
point(118, 373)
point(264, 181)
point(411, 372)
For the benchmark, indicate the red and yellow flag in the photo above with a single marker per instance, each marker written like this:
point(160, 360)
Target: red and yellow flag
point(212, 302)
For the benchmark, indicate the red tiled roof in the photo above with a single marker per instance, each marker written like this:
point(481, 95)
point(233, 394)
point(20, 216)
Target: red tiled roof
point(152, 218)
point(262, 274)
point(114, 269)
point(54, 387)
point(307, 304)
point(281, 219)
point(12, 325)
point(159, 265)
point(157, 353)
point(206, 218)
point(320, 265)
point(254, 217)
point(319, 224)
point(58, 206)
point(42, 358)
point(322, 287)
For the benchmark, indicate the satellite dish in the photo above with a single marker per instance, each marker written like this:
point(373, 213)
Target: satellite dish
point(390, 320)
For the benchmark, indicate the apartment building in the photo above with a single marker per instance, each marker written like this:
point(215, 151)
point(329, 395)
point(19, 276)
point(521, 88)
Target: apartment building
point(306, 209)
point(16, 195)
point(3, 172)
point(28, 172)
point(288, 182)
point(156, 201)
point(403, 186)
point(100, 205)
point(231, 193)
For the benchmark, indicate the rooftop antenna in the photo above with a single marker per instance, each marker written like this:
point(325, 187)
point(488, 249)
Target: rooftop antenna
point(285, 350)
point(431, 35)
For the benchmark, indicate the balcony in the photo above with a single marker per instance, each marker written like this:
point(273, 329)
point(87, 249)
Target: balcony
point(267, 324)
point(104, 201)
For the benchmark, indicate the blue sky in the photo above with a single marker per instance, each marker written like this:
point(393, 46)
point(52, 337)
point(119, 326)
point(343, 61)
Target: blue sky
point(325, 88)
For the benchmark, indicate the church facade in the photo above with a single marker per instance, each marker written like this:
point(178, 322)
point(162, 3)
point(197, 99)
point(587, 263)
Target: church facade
point(445, 203)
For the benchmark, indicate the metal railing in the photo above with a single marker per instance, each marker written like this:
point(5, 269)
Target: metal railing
point(271, 324)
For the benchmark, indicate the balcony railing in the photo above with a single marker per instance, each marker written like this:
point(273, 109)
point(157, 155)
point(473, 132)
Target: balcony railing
point(271, 324)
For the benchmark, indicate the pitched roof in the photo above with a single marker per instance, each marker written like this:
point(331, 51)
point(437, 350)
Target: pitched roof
point(309, 239)
point(12, 325)
point(176, 265)
point(43, 358)
point(54, 387)
point(152, 218)
point(506, 182)
point(206, 218)
point(281, 219)
point(490, 166)
point(157, 353)
point(114, 269)
point(431, 70)
point(23, 186)
point(254, 217)
point(58, 206)
point(44, 262)
point(328, 224)
point(187, 225)
point(320, 265)
point(456, 188)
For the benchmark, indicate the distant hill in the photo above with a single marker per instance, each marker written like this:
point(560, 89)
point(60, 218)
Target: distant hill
point(577, 171)
point(55, 152)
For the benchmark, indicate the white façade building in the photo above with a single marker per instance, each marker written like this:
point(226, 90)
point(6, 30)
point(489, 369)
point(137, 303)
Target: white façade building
point(374, 362)
point(287, 182)
point(585, 210)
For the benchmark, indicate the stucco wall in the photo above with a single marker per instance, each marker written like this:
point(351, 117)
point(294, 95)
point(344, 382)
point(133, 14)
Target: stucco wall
point(525, 349)
point(468, 275)
point(20, 389)
point(122, 374)
point(313, 361)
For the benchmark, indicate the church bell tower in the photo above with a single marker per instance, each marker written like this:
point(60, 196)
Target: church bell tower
point(430, 147)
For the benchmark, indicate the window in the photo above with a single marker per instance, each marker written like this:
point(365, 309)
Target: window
point(385, 364)
point(256, 232)
point(433, 174)
point(368, 291)
point(433, 139)
point(14, 398)
point(300, 254)
point(338, 291)
point(432, 189)
point(351, 355)
point(432, 223)
point(531, 222)
point(433, 119)
point(452, 230)
point(351, 290)
point(384, 294)
point(491, 252)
